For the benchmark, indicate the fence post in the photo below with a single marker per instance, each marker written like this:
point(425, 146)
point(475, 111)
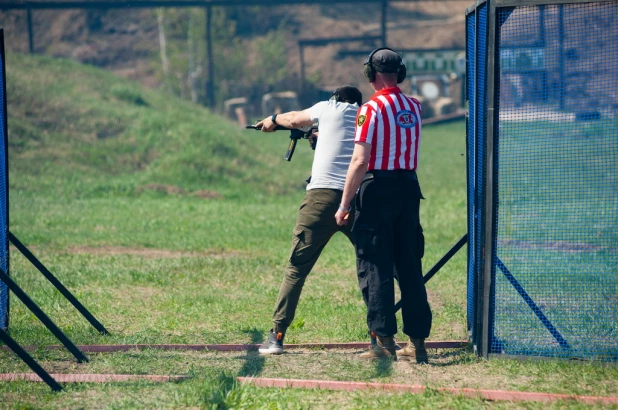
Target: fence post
point(30, 30)
point(210, 83)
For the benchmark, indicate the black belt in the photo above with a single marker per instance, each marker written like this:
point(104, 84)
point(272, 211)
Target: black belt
point(396, 173)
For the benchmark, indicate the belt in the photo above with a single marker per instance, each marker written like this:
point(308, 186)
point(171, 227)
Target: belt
point(396, 173)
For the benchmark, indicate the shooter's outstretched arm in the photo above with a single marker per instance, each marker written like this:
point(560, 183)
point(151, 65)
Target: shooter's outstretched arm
point(292, 119)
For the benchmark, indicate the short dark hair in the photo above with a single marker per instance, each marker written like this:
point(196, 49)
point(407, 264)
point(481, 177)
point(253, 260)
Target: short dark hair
point(349, 94)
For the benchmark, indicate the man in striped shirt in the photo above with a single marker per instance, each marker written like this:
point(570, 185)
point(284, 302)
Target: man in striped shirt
point(387, 229)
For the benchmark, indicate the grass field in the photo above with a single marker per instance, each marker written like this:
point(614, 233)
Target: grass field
point(172, 226)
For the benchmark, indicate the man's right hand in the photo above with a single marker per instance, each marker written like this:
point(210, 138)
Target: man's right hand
point(342, 215)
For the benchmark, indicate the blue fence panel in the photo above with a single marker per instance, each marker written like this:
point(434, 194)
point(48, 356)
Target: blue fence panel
point(4, 248)
point(481, 134)
point(556, 255)
point(476, 49)
point(471, 159)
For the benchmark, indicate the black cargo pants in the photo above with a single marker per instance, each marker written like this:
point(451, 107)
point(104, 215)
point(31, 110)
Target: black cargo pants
point(388, 237)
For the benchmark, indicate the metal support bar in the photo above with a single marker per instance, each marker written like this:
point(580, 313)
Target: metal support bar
point(440, 263)
point(42, 316)
point(561, 55)
point(537, 311)
point(491, 179)
point(57, 284)
point(4, 134)
point(114, 4)
point(479, 210)
point(26, 358)
point(324, 41)
point(523, 3)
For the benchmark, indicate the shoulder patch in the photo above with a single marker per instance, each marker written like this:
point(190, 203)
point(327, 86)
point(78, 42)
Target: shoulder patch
point(361, 120)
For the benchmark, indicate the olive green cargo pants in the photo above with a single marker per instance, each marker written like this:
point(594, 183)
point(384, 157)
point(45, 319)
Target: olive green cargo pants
point(315, 226)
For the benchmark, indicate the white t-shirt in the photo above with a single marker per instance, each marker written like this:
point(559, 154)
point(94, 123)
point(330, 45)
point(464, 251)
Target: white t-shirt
point(335, 144)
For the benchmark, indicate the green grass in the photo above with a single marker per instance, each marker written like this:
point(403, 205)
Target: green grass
point(163, 265)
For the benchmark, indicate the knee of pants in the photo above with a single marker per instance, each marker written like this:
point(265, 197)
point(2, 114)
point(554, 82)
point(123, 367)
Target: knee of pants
point(303, 255)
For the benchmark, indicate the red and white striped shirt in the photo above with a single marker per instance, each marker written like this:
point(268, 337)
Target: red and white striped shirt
point(391, 122)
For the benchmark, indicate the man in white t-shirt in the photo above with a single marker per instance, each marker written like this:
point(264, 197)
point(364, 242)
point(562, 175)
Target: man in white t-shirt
point(316, 223)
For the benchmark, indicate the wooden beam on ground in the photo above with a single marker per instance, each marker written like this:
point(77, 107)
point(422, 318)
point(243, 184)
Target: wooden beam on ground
point(502, 395)
point(91, 378)
point(430, 344)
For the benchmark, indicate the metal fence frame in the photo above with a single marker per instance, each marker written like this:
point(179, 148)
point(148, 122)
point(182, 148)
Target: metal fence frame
point(4, 321)
point(485, 268)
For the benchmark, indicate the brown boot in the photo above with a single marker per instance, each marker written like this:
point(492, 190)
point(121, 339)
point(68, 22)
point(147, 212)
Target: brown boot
point(384, 347)
point(374, 340)
point(415, 350)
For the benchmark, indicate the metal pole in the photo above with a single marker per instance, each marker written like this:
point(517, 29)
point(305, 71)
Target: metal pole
point(210, 90)
point(478, 199)
point(542, 41)
point(23, 355)
point(5, 142)
point(561, 54)
point(30, 30)
point(42, 317)
point(54, 281)
point(490, 180)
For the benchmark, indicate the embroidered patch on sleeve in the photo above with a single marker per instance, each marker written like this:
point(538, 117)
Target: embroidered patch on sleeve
point(361, 120)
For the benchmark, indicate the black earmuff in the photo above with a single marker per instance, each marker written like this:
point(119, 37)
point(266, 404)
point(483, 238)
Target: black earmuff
point(370, 71)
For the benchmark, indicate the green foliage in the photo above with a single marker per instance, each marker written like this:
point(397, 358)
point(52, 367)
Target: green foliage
point(128, 94)
point(240, 64)
point(270, 65)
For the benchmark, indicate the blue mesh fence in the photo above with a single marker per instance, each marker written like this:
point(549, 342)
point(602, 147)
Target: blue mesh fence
point(470, 94)
point(4, 255)
point(556, 246)
point(476, 32)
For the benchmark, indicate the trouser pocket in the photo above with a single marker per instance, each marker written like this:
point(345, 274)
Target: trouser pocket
point(366, 238)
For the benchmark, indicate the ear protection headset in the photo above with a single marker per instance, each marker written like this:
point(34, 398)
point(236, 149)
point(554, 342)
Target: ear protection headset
point(370, 71)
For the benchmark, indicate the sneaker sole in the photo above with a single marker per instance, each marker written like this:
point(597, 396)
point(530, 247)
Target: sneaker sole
point(271, 350)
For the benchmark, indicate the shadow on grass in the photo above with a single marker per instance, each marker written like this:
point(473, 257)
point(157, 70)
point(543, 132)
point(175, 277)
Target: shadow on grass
point(383, 368)
point(218, 391)
point(453, 357)
point(254, 362)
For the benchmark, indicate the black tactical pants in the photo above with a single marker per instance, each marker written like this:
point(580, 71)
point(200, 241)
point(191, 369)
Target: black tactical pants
point(388, 238)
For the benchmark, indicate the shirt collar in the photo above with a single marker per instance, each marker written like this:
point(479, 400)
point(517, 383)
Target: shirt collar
point(390, 90)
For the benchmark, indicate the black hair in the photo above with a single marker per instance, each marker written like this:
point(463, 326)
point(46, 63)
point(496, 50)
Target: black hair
point(349, 94)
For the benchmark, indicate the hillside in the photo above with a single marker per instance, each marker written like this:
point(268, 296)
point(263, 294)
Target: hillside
point(126, 42)
point(80, 131)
